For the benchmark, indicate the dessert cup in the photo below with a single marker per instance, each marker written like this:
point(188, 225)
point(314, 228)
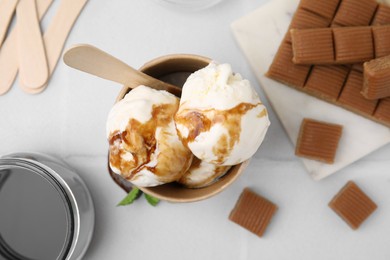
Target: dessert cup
point(175, 69)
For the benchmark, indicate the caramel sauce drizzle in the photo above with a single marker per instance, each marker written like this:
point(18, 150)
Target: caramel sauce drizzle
point(139, 140)
point(199, 121)
point(218, 172)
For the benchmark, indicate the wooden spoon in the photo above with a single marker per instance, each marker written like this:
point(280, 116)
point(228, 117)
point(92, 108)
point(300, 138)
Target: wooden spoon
point(90, 59)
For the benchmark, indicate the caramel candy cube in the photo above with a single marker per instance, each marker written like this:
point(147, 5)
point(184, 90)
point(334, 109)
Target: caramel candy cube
point(382, 15)
point(382, 112)
point(377, 78)
point(352, 98)
point(312, 45)
point(381, 36)
point(304, 19)
point(355, 12)
point(285, 71)
point(325, 9)
point(342, 45)
point(352, 205)
point(353, 44)
point(318, 140)
point(327, 81)
point(253, 212)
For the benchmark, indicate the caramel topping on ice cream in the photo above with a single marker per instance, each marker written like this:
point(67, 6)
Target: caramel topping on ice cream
point(139, 139)
point(202, 174)
point(221, 118)
point(143, 139)
point(198, 122)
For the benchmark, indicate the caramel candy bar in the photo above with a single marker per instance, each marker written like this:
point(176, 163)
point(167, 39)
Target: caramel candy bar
point(353, 44)
point(355, 13)
point(352, 98)
point(382, 112)
point(324, 9)
point(352, 205)
point(318, 140)
point(341, 45)
point(304, 19)
point(327, 81)
point(377, 78)
point(381, 35)
point(253, 212)
point(284, 70)
point(312, 45)
point(382, 15)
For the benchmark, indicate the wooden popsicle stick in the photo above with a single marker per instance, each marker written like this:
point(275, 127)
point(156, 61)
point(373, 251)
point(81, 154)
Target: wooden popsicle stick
point(32, 90)
point(57, 33)
point(94, 61)
point(59, 28)
point(9, 55)
point(33, 69)
point(7, 9)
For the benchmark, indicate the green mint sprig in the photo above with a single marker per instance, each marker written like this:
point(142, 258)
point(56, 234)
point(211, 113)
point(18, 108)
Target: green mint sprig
point(130, 198)
point(152, 200)
point(135, 194)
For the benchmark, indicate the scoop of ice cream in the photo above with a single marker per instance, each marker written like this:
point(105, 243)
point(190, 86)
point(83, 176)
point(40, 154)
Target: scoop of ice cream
point(202, 174)
point(221, 118)
point(144, 146)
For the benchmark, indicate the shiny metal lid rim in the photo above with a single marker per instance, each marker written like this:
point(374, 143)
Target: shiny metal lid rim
point(63, 190)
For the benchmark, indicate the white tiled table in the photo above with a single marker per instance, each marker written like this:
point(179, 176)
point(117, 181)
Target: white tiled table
point(68, 120)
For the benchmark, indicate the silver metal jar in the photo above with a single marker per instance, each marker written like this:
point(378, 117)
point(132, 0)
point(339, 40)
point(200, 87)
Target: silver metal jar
point(46, 210)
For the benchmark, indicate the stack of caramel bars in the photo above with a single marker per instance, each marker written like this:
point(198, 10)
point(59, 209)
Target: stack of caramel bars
point(339, 35)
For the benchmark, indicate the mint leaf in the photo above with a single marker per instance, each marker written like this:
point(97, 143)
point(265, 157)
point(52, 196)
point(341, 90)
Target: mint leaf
point(130, 198)
point(152, 200)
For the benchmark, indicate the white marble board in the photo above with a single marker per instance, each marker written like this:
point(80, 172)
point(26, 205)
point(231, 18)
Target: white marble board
point(259, 35)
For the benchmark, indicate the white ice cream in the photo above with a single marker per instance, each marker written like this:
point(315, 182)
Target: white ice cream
point(221, 118)
point(143, 138)
point(202, 174)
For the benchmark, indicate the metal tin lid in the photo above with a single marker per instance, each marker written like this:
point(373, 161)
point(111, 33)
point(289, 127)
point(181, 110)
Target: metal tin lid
point(39, 214)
